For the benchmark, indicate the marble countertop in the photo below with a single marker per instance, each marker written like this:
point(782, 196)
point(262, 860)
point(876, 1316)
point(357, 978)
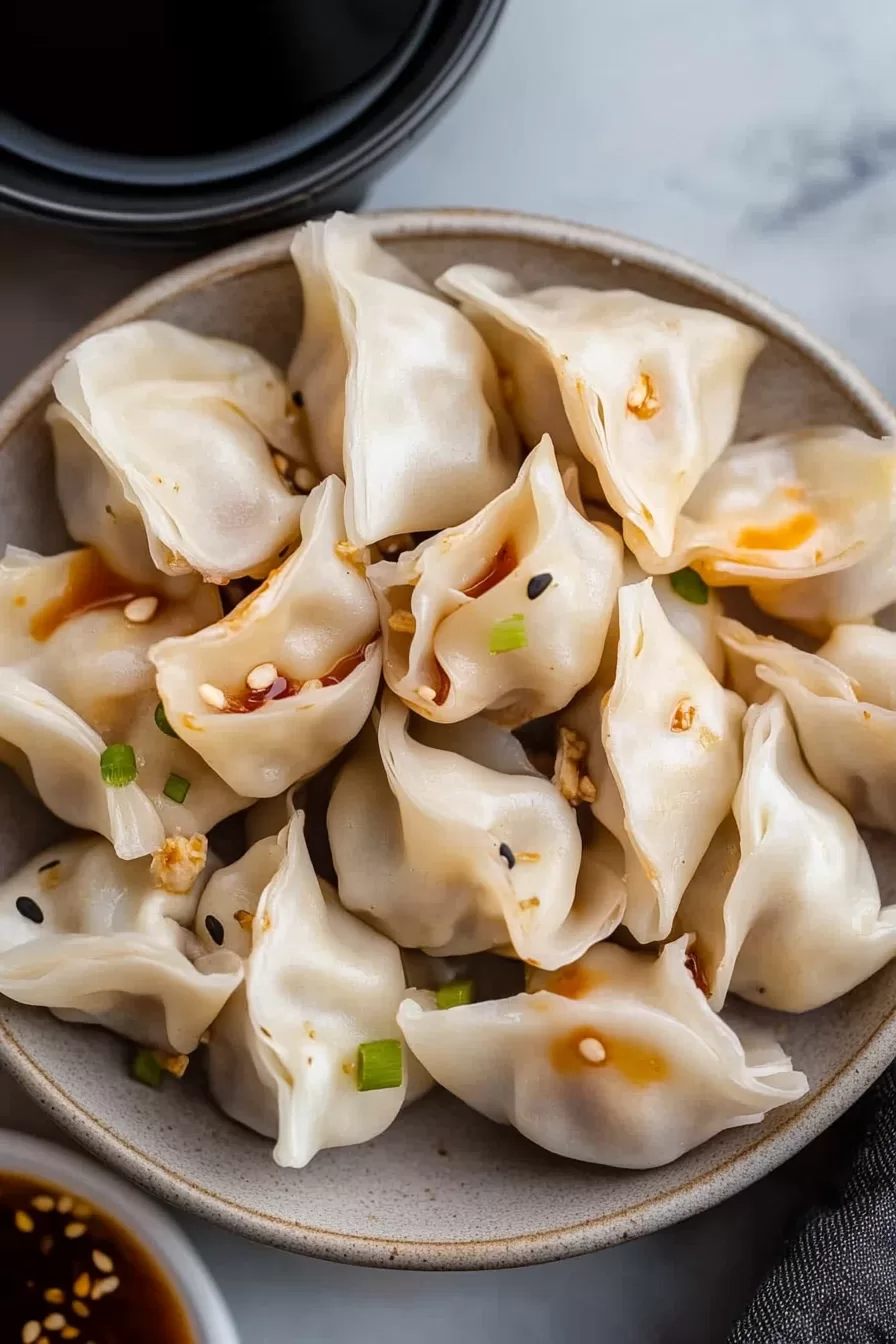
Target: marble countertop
point(759, 138)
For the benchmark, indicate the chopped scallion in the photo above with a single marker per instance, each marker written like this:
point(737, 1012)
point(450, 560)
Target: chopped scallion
point(379, 1065)
point(453, 995)
point(118, 765)
point(688, 584)
point(146, 1068)
point(176, 788)
point(161, 719)
point(508, 634)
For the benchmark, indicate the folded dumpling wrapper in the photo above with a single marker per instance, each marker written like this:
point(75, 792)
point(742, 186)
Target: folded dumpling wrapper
point(318, 983)
point(649, 392)
point(77, 678)
point(786, 507)
point(185, 425)
point(401, 393)
point(785, 908)
point(617, 1059)
point(845, 716)
point(314, 622)
point(446, 838)
point(505, 615)
point(664, 757)
point(93, 938)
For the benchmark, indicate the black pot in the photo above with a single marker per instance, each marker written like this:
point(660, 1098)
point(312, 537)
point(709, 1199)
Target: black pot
point(324, 160)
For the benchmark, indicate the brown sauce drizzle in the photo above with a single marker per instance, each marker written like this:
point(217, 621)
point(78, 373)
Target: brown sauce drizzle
point(504, 563)
point(282, 688)
point(91, 584)
point(443, 683)
point(56, 1257)
point(697, 973)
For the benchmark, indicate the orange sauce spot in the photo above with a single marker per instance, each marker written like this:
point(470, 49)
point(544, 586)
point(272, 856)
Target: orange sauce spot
point(573, 982)
point(504, 563)
point(345, 667)
point(20, 600)
point(795, 493)
point(784, 536)
point(638, 1064)
point(91, 584)
point(565, 1055)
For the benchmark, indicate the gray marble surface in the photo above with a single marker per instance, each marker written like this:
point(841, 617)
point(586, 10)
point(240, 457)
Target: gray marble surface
point(758, 136)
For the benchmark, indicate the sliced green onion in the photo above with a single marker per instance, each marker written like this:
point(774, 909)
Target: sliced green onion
point(118, 765)
point(176, 788)
point(161, 719)
point(688, 584)
point(146, 1068)
point(453, 995)
point(379, 1065)
point(508, 634)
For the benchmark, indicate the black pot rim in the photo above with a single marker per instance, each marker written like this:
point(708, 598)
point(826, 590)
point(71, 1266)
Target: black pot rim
point(297, 184)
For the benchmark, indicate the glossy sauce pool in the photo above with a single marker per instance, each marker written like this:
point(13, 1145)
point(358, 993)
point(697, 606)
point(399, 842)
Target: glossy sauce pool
point(69, 1272)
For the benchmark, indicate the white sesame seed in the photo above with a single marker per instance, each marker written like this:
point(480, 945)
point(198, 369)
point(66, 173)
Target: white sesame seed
point(426, 693)
point(103, 1262)
point(104, 1286)
point(262, 676)
point(141, 609)
point(82, 1285)
point(305, 479)
point(30, 1332)
point(43, 1203)
point(23, 1221)
point(212, 695)
point(75, 1230)
point(64, 1204)
point(281, 462)
point(55, 1321)
point(312, 684)
point(591, 1049)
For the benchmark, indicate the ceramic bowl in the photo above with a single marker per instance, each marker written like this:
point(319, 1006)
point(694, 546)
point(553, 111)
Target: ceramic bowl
point(443, 1188)
point(211, 1322)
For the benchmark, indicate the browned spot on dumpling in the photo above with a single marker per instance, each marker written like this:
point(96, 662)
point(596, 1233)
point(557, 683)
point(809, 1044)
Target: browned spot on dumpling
point(573, 982)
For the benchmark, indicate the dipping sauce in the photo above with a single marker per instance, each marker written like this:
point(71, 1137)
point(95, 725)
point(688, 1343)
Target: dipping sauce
point(70, 1273)
point(504, 563)
point(90, 584)
point(281, 688)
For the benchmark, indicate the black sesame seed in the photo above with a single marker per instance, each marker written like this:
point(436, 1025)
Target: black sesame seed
point(538, 584)
point(298, 399)
point(45, 867)
point(215, 929)
point(30, 909)
point(507, 855)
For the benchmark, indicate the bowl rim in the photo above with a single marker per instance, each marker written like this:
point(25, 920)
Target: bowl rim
point(788, 1131)
point(151, 1225)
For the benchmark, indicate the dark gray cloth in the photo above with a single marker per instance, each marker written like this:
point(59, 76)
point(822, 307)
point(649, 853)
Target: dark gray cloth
point(835, 1282)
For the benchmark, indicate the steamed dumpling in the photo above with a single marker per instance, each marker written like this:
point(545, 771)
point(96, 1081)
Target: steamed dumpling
point(318, 984)
point(798, 921)
point(312, 631)
point(93, 938)
point(78, 679)
point(401, 393)
point(506, 615)
point(649, 391)
point(184, 425)
point(664, 758)
point(617, 1059)
point(785, 507)
point(847, 736)
point(448, 839)
point(844, 597)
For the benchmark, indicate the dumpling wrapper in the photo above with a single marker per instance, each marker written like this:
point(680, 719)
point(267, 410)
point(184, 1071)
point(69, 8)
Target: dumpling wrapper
point(849, 742)
point(532, 530)
point(185, 425)
point(417, 824)
point(797, 921)
point(650, 391)
point(664, 757)
point(79, 679)
point(312, 614)
point(844, 597)
point(786, 507)
point(318, 983)
point(111, 948)
point(660, 1072)
point(400, 390)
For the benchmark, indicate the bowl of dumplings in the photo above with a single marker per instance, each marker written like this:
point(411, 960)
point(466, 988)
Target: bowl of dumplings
point(449, 738)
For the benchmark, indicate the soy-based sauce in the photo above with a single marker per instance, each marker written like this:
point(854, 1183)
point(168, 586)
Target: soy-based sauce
point(98, 1281)
point(90, 584)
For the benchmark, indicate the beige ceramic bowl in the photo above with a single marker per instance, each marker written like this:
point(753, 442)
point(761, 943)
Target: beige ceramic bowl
point(443, 1188)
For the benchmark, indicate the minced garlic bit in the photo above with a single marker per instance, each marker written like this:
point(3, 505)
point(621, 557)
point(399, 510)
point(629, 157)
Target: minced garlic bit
point(245, 920)
point(642, 400)
point(359, 556)
point(683, 716)
point(176, 866)
point(403, 622)
point(591, 1049)
point(569, 777)
point(212, 695)
point(262, 676)
point(102, 1261)
point(304, 480)
point(426, 693)
point(140, 610)
point(176, 1065)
